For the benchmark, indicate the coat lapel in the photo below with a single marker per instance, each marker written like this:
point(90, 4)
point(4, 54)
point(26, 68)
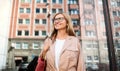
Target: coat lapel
point(66, 44)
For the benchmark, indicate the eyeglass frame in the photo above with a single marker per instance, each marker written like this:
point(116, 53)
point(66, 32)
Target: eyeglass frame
point(58, 19)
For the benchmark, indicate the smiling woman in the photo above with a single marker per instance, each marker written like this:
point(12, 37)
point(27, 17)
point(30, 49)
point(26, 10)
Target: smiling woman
point(62, 49)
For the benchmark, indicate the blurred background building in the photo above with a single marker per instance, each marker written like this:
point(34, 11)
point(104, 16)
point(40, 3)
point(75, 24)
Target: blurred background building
point(31, 21)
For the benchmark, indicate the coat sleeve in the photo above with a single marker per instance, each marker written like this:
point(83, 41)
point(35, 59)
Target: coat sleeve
point(81, 64)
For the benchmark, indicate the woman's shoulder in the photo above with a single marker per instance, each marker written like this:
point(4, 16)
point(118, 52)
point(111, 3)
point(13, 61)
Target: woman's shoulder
point(73, 37)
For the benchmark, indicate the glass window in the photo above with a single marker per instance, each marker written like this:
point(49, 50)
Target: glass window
point(28, 1)
point(90, 33)
point(21, 10)
point(75, 22)
point(88, 22)
point(114, 13)
point(36, 33)
point(27, 21)
point(27, 10)
point(37, 1)
point(44, 10)
point(73, 11)
point(22, 1)
point(19, 33)
point(89, 58)
point(89, 1)
point(118, 4)
point(37, 10)
point(44, 21)
point(26, 33)
point(60, 1)
point(44, 33)
point(53, 10)
point(113, 3)
point(25, 46)
point(53, 1)
point(77, 32)
point(37, 21)
point(100, 2)
point(96, 57)
point(60, 10)
point(20, 21)
point(72, 1)
point(119, 13)
point(44, 1)
point(35, 45)
point(18, 45)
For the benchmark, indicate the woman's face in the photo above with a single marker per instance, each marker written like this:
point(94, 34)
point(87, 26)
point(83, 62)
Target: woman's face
point(59, 22)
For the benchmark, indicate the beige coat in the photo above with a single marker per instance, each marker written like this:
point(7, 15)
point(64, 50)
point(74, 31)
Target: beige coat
point(71, 58)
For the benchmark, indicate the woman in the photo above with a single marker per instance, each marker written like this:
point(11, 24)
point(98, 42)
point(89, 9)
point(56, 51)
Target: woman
point(63, 51)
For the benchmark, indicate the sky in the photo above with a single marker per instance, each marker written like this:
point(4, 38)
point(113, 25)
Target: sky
point(5, 10)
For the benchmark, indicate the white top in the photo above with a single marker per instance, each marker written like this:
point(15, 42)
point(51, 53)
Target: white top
point(58, 47)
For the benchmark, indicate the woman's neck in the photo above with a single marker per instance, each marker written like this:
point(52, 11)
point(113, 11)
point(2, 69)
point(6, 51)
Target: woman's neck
point(61, 34)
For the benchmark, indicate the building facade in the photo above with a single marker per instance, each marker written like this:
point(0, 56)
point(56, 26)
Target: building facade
point(31, 21)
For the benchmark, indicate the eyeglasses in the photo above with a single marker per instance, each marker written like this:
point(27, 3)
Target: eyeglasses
point(58, 19)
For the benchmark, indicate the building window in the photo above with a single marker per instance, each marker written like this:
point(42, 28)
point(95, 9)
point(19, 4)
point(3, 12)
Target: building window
point(89, 1)
point(44, 10)
point(53, 1)
point(114, 13)
point(27, 10)
point(60, 10)
point(116, 24)
point(21, 10)
point(44, 33)
point(72, 1)
point(35, 45)
point(77, 32)
point(89, 45)
point(90, 33)
point(113, 3)
point(44, 1)
point(27, 21)
point(36, 33)
point(44, 21)
point(75, 22)
point(20, 21)
point(37, 21)
point(25, 46)
point(73, 11)
point(118, 4)
point(100, 2)
point(37, 10)
point(53, 10)
point(119, 13)
point(96, 57)
point(25, 1)
point(89, 58)
point(26, 33)
point(28, 1)
point(88, 22)
point(37, 1)
point(117, 34)
point(19, 33)
point(22, 1)
point(17, 46)
point(105, 45)
point(60, 2)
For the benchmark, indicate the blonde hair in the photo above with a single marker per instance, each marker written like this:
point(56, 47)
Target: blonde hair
point(69, 30)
